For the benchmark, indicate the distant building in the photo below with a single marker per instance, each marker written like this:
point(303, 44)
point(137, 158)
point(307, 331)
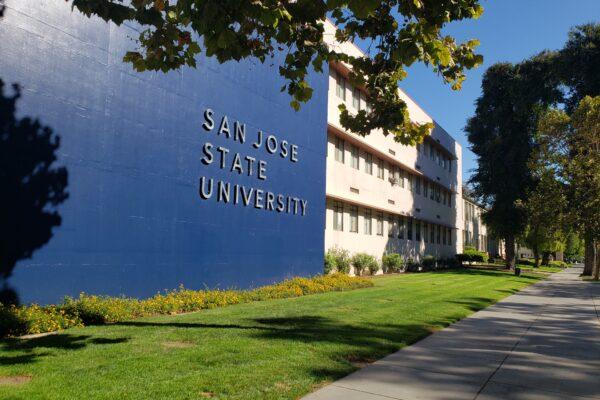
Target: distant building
point(475, 233)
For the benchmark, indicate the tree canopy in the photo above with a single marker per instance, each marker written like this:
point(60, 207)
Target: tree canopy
point(400, 33)
point(501, 136)
point(504, 135)
point(570, 145)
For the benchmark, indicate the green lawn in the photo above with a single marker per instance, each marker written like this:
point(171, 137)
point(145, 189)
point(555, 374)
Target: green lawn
point(277, 349)
point(541, 268)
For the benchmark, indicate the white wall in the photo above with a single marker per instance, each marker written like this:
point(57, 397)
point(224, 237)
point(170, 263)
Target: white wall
point(355, 186)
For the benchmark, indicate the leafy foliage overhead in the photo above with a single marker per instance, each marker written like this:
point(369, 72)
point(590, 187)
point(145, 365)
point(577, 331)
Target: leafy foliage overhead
point(401, 32)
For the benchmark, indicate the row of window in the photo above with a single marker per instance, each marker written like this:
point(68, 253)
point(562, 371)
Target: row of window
point(470, 214)
point(359, 99)
point(396, 175)
point(480, 242)
point(359, 102)
point(398, 226)
point(429, 150)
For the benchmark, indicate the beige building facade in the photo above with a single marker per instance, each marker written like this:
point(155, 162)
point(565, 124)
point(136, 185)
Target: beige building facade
point(475, 233)
point(383, 196)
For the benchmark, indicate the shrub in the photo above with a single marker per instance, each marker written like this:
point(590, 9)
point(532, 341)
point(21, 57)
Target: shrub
point(448, 263)
point(363, 261)
point(341, 257)
point(96, 310)
point(428, 262)
point(559, 264)
point(330, 264)
point(412, 266)
point(89, 309)
point(19, 320)
point(392, 262)
point(526, 261)
point(472, 255)
point(374, 267)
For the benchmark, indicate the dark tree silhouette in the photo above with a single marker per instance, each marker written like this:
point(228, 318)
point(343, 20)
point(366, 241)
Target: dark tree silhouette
point(31, 187)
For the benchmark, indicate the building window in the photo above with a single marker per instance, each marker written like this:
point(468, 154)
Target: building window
point(432, 191)
point(449, 199)
point(380, 169)
point(354, 219)
point(369, 163)
point(449, 237)
point(391, 223)
point(380, 224)
point(425, 228)
point(432, 234)
point(432, 153)
point(356, 99)
point(443, 197)
point(450, 165)
point(368, 222)
point(418, 184)
point(338, 216)
point(437, 194)
point(444, 233)
point(399, 176)
point(340, 87)
point(401, 223)
point(425, 187)
point(439, 234)
point(354, 157)
point(339, 149)
point(418, 231)
point(409, 181)
point(409, 228)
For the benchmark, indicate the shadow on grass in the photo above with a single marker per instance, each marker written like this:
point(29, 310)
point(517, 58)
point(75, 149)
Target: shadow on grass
point(59, 341)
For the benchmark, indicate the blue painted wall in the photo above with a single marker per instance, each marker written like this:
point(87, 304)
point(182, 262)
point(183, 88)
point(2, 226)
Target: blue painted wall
point(134, 223)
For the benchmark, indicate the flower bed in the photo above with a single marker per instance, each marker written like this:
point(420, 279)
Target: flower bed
point(95, 310)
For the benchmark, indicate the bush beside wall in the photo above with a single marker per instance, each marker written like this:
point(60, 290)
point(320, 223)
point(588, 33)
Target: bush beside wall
point(337, 260)
point(471, 255)
point(95, 310)
point(364, 261)
point(392, 262)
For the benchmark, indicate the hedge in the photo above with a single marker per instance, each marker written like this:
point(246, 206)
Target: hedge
point(98, 310)
point(471, 255)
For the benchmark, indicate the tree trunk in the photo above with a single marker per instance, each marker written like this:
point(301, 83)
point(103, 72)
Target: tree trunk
point(510, 251)
point(588, 267)
point(596, 260)
point(546, 258)
point(536, 256)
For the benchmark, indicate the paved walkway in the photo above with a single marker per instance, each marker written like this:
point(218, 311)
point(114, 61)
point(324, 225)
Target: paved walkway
point(541, 343)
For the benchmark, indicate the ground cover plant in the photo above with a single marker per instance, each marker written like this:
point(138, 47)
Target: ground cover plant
point(273, 349)
point(94, 310)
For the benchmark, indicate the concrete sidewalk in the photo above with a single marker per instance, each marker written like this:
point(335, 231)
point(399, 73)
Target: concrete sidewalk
point(541, 343)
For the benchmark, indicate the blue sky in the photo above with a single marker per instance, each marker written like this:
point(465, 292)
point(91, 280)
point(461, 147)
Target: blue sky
point(509, 30)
